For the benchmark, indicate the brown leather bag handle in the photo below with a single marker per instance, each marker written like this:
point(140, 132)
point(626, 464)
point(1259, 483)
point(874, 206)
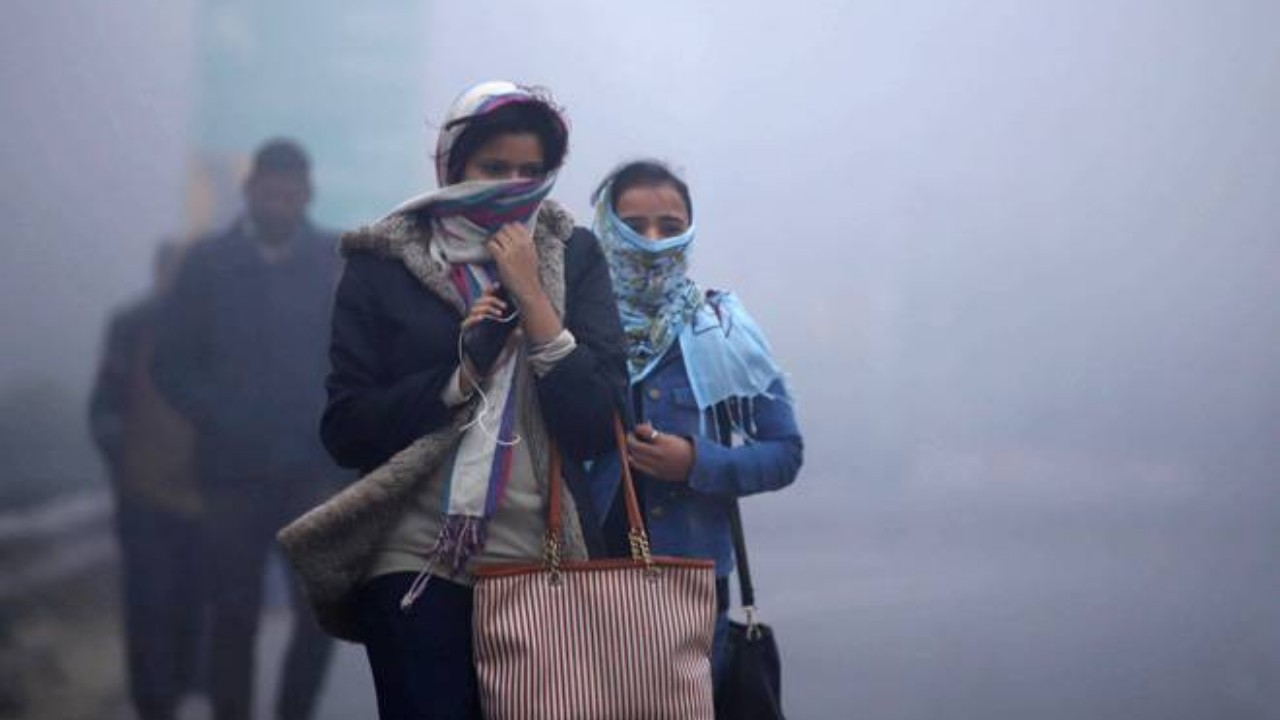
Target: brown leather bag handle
point(638, 537)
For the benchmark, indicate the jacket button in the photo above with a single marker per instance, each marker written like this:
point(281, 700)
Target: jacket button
point(654, 393)
point(657, 511)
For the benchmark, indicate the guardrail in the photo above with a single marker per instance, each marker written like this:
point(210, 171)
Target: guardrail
point(45, 545)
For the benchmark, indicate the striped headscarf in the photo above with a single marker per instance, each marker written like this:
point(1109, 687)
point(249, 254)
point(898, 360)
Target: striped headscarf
point(465, 214)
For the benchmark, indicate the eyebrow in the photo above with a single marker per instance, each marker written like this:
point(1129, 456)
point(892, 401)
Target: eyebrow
point(664, 216)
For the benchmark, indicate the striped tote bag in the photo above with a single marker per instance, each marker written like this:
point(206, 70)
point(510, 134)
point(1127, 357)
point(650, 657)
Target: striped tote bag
point(614, 639)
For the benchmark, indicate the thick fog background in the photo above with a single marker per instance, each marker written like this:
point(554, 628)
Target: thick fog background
point(1022, 261)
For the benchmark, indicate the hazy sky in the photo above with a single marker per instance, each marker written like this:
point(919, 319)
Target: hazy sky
point(92, 158)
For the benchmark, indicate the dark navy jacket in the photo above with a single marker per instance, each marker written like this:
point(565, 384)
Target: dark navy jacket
point(241, 353)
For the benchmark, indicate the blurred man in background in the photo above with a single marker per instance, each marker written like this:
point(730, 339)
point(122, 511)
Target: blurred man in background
point(242, 354)
point(148, 449)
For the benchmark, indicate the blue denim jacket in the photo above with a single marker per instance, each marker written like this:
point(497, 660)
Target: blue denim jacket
point(692, 519)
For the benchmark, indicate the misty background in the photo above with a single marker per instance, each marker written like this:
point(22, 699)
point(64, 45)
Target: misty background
point(1021, 260)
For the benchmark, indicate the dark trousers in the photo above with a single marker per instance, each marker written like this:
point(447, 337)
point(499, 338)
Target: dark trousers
point(164, 606)
point(422, 662)
point(241, 529)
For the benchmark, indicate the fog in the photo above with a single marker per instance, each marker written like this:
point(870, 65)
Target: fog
point(1020, 260)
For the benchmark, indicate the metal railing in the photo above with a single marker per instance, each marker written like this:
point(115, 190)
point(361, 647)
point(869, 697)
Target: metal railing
point(54, 542)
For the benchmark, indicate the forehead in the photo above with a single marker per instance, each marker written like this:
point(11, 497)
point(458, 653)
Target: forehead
point(660, 199)
point(515, 147)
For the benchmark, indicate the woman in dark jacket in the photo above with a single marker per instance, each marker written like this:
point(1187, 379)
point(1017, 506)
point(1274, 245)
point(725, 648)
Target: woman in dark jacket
point(714, 419)
point(473, 326)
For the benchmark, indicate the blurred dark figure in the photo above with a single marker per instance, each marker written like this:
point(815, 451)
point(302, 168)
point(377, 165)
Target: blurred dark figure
point(242, 354)
point(148, 449)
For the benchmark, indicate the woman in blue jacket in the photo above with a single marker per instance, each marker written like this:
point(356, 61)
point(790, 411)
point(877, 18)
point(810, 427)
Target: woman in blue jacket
point(701, 373)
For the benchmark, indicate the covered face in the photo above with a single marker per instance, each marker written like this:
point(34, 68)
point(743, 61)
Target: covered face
point(643, 207)
point(643, 222)
point(496, 159)
point(655, 212)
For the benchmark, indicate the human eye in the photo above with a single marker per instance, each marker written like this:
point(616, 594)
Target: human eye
point(636, 224)
point(495, 168)
point(530, 171)
point(670, 227)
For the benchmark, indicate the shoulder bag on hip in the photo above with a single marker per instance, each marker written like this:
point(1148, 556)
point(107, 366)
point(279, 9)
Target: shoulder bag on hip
point(752, 685)
point(616, 639)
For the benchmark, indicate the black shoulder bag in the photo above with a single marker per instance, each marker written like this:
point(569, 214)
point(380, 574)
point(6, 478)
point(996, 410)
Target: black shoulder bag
point(752, 685)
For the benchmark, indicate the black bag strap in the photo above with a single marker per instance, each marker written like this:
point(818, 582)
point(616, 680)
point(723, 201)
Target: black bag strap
point(746, 590)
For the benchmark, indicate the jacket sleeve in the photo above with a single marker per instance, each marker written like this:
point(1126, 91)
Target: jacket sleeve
point(182, 365)
point(581, 393)
point(770, 462)
point(108, 400)
point(370, 415)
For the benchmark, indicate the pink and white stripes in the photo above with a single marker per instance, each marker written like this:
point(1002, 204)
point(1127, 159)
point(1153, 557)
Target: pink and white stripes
point(609, 641)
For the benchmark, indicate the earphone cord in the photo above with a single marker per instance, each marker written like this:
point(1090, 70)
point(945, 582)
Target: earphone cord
point(488, 409)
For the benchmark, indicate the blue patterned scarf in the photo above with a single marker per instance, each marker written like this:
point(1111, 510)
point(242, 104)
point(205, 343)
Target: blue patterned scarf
point(726, 354)
point(656, 298)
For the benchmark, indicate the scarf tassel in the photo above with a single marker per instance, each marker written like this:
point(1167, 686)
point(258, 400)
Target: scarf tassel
point(461, 538)
point(741, 414)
